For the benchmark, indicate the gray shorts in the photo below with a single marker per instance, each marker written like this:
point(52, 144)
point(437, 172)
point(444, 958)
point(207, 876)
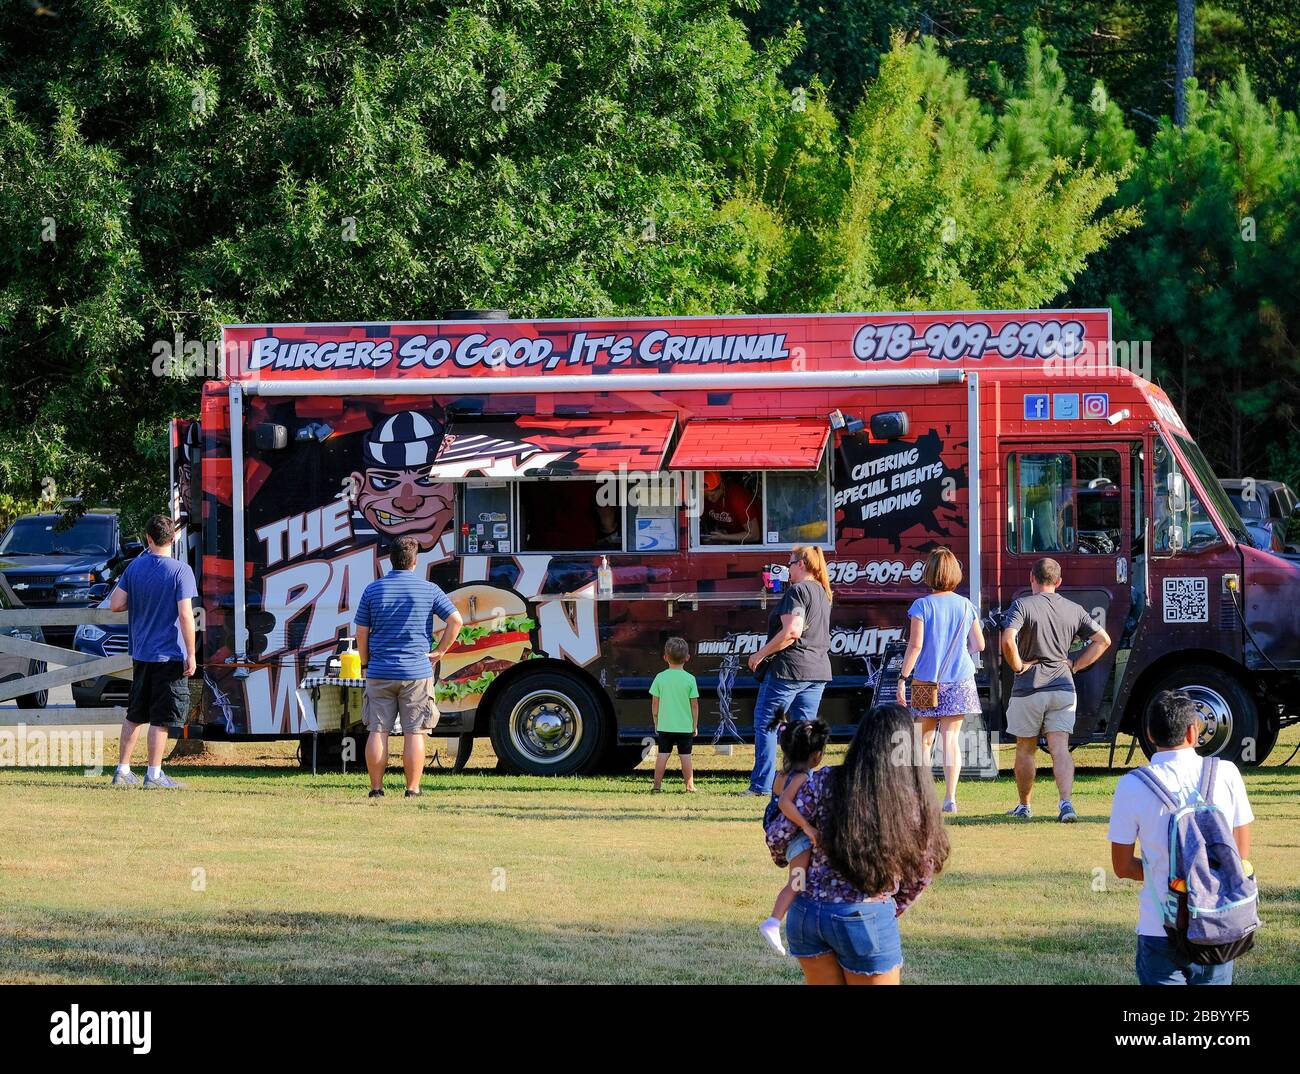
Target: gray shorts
point(1036, 714)
point(388, 699)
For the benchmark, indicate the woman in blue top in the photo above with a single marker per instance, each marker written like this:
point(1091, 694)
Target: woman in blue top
point(945, 631)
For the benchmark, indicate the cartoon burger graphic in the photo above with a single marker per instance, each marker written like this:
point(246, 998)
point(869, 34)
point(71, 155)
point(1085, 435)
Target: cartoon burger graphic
point(497, 635)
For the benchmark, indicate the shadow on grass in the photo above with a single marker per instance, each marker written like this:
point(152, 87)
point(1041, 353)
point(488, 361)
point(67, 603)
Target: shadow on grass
point(302, 948)
point(337, 948)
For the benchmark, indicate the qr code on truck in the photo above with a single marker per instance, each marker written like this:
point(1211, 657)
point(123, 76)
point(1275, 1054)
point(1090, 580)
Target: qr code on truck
point(1187, 600)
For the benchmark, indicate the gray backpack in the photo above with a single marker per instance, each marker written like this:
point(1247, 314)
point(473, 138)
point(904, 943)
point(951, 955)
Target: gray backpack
point(1211, 904)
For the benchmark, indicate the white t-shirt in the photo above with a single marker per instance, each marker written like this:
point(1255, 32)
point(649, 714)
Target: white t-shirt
point(1138, 816)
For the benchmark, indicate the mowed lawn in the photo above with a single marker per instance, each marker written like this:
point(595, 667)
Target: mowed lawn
point(261, 873)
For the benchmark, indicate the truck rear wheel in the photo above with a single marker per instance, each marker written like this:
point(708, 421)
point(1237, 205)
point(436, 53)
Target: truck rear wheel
point(1232, 720)
point(548, 723)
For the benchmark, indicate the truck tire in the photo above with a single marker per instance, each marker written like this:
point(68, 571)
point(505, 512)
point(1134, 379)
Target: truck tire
point(1231, 716)
point(548, 723)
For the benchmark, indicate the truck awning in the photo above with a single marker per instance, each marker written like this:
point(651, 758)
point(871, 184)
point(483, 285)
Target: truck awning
point(530, 446)
point(752, 444)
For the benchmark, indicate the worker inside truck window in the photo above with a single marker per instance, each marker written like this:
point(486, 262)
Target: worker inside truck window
point(765, 508)
point(569, 515)
point(731, 508)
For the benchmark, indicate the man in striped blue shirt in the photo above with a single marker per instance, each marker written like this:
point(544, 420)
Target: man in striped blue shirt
point(395, 622)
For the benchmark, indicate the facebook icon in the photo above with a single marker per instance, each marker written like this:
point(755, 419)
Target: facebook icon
point(1036, 408)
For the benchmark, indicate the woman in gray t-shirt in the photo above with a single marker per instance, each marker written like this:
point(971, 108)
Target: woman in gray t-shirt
point(794, 664)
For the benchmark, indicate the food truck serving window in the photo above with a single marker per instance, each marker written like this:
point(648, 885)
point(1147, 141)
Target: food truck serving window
point(763, 509)
point(758, 482)
point(612, 513)
point(558, 483)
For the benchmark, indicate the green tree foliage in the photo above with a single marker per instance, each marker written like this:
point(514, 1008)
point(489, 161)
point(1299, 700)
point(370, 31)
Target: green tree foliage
point(931, 200)
point(1126, 44)
point(165, 167)
point(1211, 278)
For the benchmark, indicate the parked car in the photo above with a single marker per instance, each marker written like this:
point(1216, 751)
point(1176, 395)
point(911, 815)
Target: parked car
point(1267, 508)
point(106, 640)
point(18, 667)
point(53, 562)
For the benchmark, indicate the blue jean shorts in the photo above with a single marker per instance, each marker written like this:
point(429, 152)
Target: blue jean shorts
point(863, 936)
point(800, 844)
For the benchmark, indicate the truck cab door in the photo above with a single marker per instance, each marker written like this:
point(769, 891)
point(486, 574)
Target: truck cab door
point(1076, 504)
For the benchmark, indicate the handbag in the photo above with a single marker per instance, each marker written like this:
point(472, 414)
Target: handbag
point(925, 695)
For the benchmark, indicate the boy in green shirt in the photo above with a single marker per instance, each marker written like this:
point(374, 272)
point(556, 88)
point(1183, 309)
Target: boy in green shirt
point(675, 708)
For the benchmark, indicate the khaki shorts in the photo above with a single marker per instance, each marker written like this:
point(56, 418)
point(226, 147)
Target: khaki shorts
point(1036, 714)
point(387, 699)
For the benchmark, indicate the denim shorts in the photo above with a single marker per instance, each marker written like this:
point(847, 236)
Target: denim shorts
point(800, 844)
point(862, 935)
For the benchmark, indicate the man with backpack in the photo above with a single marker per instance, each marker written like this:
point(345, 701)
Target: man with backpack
point(1198, 912)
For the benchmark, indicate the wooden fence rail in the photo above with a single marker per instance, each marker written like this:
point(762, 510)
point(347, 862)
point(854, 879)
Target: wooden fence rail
point(74, 667)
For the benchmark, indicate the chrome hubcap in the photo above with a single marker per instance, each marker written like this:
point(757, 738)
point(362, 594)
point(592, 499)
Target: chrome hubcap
point(1217, 714)
point(545, 726)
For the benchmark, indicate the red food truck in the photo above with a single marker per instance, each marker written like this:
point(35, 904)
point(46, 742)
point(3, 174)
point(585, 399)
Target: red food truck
point(688, 455)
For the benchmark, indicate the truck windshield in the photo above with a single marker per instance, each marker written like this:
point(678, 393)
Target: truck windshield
point(50, 535)
point(1213, 490)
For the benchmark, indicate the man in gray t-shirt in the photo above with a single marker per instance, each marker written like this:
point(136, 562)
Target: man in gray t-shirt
point(1036, 637)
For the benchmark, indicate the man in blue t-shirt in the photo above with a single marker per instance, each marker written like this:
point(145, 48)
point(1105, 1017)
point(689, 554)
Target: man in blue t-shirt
point(155, 591)
point(394, 624)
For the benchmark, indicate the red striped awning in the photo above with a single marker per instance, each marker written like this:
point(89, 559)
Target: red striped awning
point(552, 446)
point(752, 444)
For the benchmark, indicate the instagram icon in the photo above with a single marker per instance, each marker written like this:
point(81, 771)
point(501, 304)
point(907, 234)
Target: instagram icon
point(1096, 405)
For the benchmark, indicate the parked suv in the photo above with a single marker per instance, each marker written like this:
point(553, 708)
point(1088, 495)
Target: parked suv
point(51, 562)
point(21, 667)
point(107, 640)
point(1267, 508)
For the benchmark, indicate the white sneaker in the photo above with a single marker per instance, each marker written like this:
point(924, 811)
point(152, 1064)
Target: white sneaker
point(771, 932)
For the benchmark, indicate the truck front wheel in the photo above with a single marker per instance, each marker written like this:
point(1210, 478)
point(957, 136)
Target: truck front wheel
point(1232, 718)
point(548, 723)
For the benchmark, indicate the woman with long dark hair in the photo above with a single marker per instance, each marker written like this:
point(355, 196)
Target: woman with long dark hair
point(880, 842)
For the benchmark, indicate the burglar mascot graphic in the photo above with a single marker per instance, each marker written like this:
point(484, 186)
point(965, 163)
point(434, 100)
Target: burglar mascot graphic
point(396, 494)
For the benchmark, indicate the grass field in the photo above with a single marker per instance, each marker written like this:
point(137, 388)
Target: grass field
point(260, 873)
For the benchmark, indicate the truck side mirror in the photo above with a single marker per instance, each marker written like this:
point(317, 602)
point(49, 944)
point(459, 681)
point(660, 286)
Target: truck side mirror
point(1177, 488)
point(1175, 533)
point(1177, 485)
point(131, 549)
